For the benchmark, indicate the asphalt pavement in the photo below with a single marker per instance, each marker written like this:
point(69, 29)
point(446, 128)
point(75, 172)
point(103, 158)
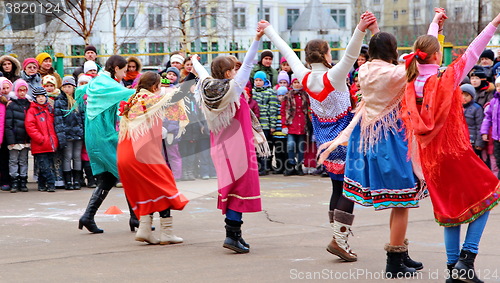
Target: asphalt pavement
point(40, 242)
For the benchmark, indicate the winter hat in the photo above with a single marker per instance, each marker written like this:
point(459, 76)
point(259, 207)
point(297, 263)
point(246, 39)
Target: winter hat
point(91, 48)
point(488, 53)
point(177, 58)
point(497, 81)
point(19, 83)
point(469, 89)
point(260, 75)
point(283, 75)
point(28, 61)
point(175, 70)
point(42, 56)
point(478, 72)
point(4, 80)
point(84, 79)
point(49, 79)
point(282, 90)
point(39, 91)
point(266, 53)
point(68, 80)
point(89, 66)
point(282, 60)
point(466, 80)
point(294, 77)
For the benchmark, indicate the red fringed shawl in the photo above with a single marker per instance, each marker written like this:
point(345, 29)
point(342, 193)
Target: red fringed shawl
point(461, 187)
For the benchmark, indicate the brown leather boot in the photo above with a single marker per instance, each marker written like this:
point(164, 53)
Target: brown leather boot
point(341, 229)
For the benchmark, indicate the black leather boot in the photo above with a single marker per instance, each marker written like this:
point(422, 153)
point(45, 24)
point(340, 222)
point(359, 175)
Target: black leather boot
point(23, 181)
point(410, 262)
point(449, 273)
point(464, 269)
point(133, 222)
point(233, 237)
point(395, 267)
point(68, 184)
point(106, 182)
point(77, 179)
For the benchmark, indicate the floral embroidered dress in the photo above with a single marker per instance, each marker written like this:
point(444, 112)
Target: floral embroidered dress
point(461, 187)
point(234, 136)
point(329, 96)
point(147, 180)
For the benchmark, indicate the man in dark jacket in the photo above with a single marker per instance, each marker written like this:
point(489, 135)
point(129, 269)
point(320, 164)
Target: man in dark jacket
point(266, 60)
point(90, 54)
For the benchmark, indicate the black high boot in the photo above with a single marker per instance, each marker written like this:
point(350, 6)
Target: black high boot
point(23, 181)
point(105, 184)
point(410, 262)
point(68, 184)
point(289, 169)
point(15, 184)
point(77, 179)
point(449, 273)
point(299, 170)
point(465, 267)
point(233, 237)
point(395, 267)
point(133, 222)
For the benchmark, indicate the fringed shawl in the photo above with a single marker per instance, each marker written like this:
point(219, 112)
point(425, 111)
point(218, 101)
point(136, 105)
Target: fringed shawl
point(382, 86)
point(146, 111)
point(220, 104)
point(441, 110)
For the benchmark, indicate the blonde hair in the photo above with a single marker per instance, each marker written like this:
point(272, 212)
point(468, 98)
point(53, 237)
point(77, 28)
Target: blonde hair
point(425, 43)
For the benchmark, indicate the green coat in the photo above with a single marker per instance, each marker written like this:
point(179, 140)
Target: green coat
point(272, 74)
point(101, 121)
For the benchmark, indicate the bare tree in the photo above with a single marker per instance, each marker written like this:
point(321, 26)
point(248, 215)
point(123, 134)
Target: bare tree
point(117, 18)
point(83, 13)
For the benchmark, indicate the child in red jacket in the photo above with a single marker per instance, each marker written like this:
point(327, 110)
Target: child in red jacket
point(40, 127)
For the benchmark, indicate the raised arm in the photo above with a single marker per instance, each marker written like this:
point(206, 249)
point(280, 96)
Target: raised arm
point(477, 46)
point(338, 73)
point(241, 77)
point(298, 68)
point(200, 70)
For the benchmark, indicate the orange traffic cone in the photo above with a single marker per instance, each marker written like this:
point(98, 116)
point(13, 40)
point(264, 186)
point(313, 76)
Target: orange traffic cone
point(113, 210)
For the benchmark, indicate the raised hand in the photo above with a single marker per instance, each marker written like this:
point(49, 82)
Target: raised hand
point(259, 34)
point(366, 19)
point(263, 24)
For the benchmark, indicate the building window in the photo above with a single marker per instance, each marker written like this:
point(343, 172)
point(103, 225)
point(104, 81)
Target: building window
point(266, 44)
point(128, 48)
point(377, 15)
point(296, 45)
point(203, 17)
point(156, 47)
point(376, 1)
point(154, 17)
point(335, 53)
point(339, 16)
point(416, 13)
point(77, 50)
point(213, 17)
point(128, 18)
point(239, 18)
point(291, 17)
point(403, 12)
point(215, 47)
point(266, 15)
point(395, 15)
point(204, 48)
point(458, 12)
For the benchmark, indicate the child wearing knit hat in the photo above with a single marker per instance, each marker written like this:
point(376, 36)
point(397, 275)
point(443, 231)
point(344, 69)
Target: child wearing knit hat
point(90, 68)
point(491, 125)
point(473, 116)
point(49, 83)
point(283, 80)
point(40, 127)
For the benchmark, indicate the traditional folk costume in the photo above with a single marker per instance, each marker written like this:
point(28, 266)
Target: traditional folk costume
point(101, 139)
point(461, 186)
point(462, 189)
point(331, 114)
point(235, 135)
point(147, 180)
